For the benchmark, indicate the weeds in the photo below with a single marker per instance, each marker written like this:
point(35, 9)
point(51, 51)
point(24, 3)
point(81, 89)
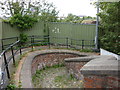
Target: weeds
point(55, 77)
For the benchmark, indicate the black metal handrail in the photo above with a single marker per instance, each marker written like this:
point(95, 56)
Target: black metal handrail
point(36, 39)
point(8, 58)
point(4, 39)
point(47, 39)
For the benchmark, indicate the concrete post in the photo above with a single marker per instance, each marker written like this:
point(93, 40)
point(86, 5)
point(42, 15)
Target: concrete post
point(0, 35)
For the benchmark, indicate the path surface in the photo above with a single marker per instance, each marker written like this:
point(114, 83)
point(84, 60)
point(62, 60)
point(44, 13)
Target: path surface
point(25, 76)
point(17, 74)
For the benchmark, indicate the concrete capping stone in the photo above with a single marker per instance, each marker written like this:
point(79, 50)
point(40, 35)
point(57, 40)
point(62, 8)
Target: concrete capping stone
point(26, 74)
point(104, 65)
point(80, 59)
point(105, 52)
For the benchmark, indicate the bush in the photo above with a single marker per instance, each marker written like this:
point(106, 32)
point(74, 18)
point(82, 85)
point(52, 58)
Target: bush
point(23, 39)
point(110, 41)
point(23, 22)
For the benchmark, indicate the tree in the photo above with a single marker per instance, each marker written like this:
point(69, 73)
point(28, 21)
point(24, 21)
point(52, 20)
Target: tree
point(22, 22)
point(48, 12)
point(72, 18)
point(75, 19)
point(88, 17)
point(50, 16)
point(109, 26)
point(37, 8)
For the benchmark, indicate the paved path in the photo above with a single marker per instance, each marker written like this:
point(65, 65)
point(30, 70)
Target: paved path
point(23, 73)
point(25, 77)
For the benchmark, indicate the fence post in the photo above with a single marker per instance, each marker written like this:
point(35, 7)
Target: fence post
point(2, 44)
point(13, 55)
point(6, 66)
point(82, 44)
point(67, 42)
point(49, 41)
point(19, 44)
point(20, 50)
point(33, 38)
point(71, 42)
point(17, 38)
point(32, 42)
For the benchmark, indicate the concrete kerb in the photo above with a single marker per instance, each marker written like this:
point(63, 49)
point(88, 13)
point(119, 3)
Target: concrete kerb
point(81, 59)
point(105, 65)
point(26, 76)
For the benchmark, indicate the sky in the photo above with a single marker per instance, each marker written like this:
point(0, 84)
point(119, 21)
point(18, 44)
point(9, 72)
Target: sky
point(76, 7)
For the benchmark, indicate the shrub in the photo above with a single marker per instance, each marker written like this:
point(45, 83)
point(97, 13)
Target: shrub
point(22, 22)
point(110, 41)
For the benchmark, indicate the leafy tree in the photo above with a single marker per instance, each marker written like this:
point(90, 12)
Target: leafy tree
point(88, 17)
point(72, 18)
point(48, 12)
point(25, 13)
point(22, 22)
point(109, 26)
point(75, 19)
point(37, 8)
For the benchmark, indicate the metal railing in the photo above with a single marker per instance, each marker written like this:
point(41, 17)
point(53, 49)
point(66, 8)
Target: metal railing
point(34, 40)
point(5, 58)
point(52, 40)
point(63, 41)
point(5, 45)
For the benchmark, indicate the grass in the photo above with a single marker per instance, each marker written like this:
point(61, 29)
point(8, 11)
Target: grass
point(44, 78)
point(39, 73)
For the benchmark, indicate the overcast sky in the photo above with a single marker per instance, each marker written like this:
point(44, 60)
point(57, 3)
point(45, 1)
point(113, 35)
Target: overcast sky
point(77, 7)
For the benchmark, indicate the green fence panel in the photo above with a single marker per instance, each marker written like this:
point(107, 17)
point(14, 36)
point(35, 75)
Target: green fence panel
point(60, 33)
point(72, 31)
point(62, 30)
point(8, 32)
point(37, 29)
point(83, 32)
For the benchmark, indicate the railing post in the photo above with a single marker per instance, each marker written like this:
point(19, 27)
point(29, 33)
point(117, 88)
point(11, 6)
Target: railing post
point(82, 44)
point(2, 44)
point(13, 55)
point(67, 42)
point(32, 42)
point(6, 66)
point(20, 51)
point(71, 42)
point(20, 48)
point(33, 38)
point(49, 41)
point(17, 38)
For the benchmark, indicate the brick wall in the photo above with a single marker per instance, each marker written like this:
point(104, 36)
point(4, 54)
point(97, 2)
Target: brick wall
point(113, 81)
point(50, 59)
point(102, 72)
point(82, 69)
point(93, 73)
point(74, 65)
point(74, 69)
point(101, 81)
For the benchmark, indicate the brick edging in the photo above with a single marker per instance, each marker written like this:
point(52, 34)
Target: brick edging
point(26, 75)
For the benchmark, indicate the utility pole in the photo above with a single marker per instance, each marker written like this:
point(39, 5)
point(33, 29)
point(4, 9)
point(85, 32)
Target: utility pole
point(97, 22)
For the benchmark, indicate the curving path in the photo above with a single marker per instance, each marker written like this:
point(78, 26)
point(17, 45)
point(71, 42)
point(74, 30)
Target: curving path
point(25, 74)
